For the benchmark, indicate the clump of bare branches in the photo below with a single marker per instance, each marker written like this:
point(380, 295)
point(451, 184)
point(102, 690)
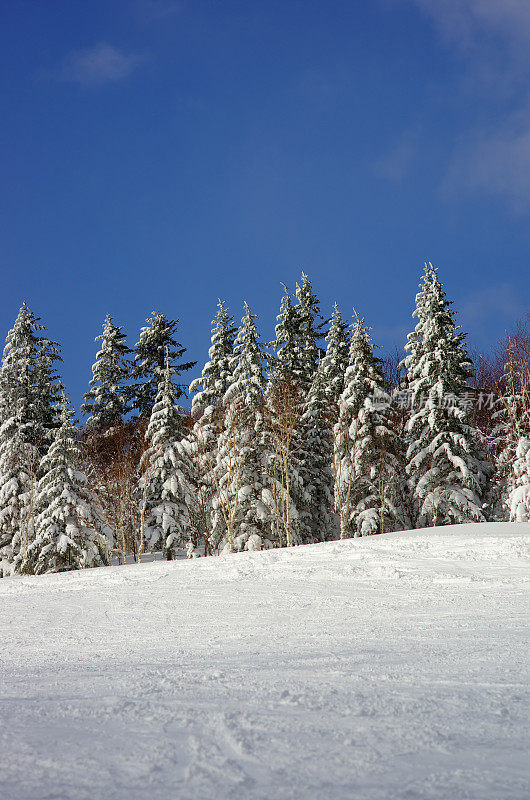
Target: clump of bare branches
point(113, 465)
point(502, 374)
point(283, 411)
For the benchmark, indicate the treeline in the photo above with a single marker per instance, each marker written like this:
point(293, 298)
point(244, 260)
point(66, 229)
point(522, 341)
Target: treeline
point(308, 438)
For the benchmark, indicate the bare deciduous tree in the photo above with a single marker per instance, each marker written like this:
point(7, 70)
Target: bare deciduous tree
point(113, 465)
point(283, 411)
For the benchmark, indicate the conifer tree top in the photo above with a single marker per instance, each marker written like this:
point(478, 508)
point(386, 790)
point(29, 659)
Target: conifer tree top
point(106, 401)
point(217, 373)
point(29, 383)
point(436, 346)
point(248, 378)
point(156, 341)
point(445, 458)
point(335, 360)
point(165, 422)
point(364, 375)
point(297, 334)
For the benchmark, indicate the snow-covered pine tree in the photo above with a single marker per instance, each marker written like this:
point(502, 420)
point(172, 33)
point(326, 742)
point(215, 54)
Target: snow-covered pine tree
point(238, 512)
point(48, 389)
point(156, 339)
point(333, 366)
point(29, 387)
point(165, 484)
point(334, 363)
point(217, 373)
point(512, 478)
point(19, 463)
point(310, 329)
point(106, 400)
point(519, 497)
point(445, 462)
point(505, 437)
point(318, 523)
point(286, 344)
point(247, 364)
point(67, 532)
point(207, 411)
point(231, 488)
point(368, 465)
point(29, 382)
point(293, 369)
point(297, 333)
point(512, 426)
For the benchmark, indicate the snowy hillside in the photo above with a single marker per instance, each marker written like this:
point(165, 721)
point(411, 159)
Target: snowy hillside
point(383, 668)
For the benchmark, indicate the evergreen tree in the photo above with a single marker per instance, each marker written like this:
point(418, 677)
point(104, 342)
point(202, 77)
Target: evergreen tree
point(512, 426)
point(445, 462)
point(505, 436)
point(217, 373)
point(19, 462)
point(165, 484)
point(29, 388)
point(310, 330)
point(335, 362)
point(67, 535)
point(368, 467)
point(48, 389)
point(297, 333)
point(29, 384)
point(17, 375)
point(286, 344)
point(106, 401)
point(237, 482)
point(207, 411)
point(519, 497)
point(238, 512)
point(317, 521)
point(156, 340)
point(248, 379)
point(320, 413)
point(293, 369)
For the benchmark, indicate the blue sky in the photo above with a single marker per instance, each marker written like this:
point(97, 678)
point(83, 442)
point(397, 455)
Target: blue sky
point(159, 154)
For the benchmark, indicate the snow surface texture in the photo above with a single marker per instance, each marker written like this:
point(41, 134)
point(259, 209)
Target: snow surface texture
point(384, 668)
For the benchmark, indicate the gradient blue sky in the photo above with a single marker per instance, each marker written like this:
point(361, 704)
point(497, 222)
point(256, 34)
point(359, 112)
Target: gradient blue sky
point(158, 154)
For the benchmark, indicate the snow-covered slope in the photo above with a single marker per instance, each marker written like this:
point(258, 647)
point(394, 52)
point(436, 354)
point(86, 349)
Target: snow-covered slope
point(383, 668)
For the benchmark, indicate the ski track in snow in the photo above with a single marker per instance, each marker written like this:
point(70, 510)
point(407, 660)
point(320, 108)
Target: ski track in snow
point(387, 668)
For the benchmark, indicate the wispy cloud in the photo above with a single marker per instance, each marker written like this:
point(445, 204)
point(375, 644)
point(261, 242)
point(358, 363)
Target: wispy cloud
point(97, 65)
point(492, 37)
point(497, 162)
point(465, 22)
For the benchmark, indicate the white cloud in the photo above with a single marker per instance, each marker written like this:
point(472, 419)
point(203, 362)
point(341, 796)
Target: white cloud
point(492, 38)
point(466, 21)
point(498, 162)
point(97, 65)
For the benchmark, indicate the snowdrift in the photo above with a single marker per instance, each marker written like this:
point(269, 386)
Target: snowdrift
point(383, 668)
